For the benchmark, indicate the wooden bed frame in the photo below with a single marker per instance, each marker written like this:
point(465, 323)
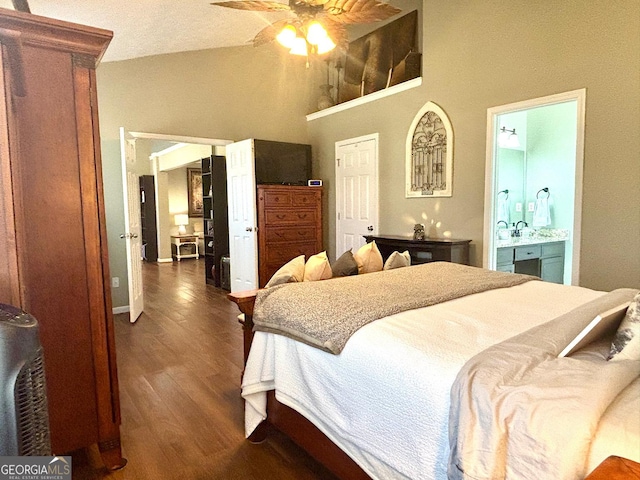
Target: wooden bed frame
point(288, 421)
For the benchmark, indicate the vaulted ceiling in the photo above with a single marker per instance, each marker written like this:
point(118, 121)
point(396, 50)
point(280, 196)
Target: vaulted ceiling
point(152, 27)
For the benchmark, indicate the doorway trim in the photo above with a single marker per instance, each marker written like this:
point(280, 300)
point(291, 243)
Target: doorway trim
point(579, 96)
point(171, 138)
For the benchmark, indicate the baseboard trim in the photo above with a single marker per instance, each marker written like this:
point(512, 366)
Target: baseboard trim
point(124, 309)
point(165, 260)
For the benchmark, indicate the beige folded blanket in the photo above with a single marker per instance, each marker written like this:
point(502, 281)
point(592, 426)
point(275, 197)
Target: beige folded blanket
point(325, 314)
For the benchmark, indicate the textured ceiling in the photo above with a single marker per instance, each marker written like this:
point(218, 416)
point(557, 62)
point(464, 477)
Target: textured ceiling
point(152, 27)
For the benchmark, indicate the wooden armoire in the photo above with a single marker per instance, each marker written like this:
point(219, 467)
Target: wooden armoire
point(53, 244)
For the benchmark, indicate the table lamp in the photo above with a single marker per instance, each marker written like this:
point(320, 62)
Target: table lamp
point(182, 219)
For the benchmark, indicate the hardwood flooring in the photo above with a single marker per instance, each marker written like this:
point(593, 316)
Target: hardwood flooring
point(179, 371)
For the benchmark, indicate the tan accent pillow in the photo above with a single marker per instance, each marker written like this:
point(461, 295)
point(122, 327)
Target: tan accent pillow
point(317, 268)
point(626, 343)
point(368, 258)
point(397, 260)
point(292, 271)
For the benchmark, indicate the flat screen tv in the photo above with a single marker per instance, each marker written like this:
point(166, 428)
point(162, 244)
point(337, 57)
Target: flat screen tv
point(279, 163)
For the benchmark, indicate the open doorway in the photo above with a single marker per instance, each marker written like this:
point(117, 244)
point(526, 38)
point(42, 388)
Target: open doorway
point(533, 187)
point(151, 154)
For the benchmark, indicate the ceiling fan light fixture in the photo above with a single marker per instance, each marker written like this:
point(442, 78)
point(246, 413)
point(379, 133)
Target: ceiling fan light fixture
point(299, 47)
point(287, 36)
point(316, 34)
point(325, 46)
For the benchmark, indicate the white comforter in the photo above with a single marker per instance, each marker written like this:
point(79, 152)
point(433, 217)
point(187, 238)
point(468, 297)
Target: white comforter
point(385, 399)
point(520, 412)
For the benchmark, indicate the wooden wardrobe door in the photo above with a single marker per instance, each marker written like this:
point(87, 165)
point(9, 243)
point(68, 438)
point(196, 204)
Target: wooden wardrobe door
point(51, 243)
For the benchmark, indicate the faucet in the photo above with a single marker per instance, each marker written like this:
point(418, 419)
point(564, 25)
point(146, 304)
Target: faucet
point(506, 225)
point(517, 232)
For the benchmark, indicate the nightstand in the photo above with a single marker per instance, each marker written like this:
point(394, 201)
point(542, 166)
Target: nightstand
point(184, 246)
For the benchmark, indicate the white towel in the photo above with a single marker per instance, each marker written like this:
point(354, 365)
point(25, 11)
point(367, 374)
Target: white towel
point(541, 213)
point(503, 209)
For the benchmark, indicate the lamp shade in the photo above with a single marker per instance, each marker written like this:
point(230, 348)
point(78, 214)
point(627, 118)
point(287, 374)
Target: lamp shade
point(181, 219)
point(299, 47)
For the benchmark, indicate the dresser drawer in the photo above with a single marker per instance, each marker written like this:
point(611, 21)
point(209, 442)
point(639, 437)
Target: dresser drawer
point(302, 199)
point(527, 252)
point(504, 256)
point(553, 249)
point(281, 254)
point(291, 234)
point(277, 198)
point(291, 217)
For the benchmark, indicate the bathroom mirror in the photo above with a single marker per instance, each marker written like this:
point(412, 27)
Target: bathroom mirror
point(511, 171)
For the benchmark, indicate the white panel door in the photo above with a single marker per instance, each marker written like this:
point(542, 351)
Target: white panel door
point(356, 192)
point(133, 227)
point(243, 238)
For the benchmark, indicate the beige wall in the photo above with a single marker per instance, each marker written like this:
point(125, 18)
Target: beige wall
point(478, 55)
point(230, 93)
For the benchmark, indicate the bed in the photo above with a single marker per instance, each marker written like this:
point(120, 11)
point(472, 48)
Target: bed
point(394, 403)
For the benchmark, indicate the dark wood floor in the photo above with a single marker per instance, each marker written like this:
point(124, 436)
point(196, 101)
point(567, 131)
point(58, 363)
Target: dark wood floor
point(179, 372)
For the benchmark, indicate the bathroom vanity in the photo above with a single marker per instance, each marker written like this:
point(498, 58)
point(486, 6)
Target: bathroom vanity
point(543, 258)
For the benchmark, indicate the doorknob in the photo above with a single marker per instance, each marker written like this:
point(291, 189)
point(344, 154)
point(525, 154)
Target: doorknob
point(129, 235)
point(249, 229)
point(370, 228)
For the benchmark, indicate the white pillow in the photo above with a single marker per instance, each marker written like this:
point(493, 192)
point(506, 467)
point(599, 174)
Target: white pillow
point(317, 268)
point(292, 271)
point(368, 258)
point(397, 260)
point(626, 343)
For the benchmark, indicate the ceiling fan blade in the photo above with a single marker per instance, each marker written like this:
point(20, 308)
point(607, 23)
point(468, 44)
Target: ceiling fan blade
point(311, 2)
point(359, 11)
point(255, 5)
point(269, 33)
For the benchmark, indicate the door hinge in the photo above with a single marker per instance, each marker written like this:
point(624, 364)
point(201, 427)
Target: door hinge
point(338, 160)
point(338, 215)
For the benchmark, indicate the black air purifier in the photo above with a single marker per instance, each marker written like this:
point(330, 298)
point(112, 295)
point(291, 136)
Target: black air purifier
point(23, 399)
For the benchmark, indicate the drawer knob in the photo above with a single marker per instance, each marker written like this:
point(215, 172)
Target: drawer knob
point(281, 217)
point(302, 215)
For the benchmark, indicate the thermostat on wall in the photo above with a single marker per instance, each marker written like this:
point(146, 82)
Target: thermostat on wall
point(314, 183)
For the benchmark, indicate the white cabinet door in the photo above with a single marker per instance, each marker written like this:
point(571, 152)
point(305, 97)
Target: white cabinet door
point(241, 194)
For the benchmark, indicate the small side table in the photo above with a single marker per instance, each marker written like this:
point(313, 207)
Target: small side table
point(184, 246)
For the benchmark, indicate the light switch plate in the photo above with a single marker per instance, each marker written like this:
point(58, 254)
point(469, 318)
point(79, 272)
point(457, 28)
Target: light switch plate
point(518, 207)
point(530, 207)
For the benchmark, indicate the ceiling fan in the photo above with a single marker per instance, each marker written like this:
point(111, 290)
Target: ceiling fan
point(315, 26)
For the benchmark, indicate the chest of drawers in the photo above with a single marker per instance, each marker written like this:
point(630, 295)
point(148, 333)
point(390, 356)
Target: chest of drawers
point(289, 225)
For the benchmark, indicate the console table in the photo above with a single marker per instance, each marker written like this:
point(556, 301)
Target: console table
point(423, 251)
point(184, 246)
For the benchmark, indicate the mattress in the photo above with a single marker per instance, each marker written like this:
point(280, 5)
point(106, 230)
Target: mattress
point(385, 399)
